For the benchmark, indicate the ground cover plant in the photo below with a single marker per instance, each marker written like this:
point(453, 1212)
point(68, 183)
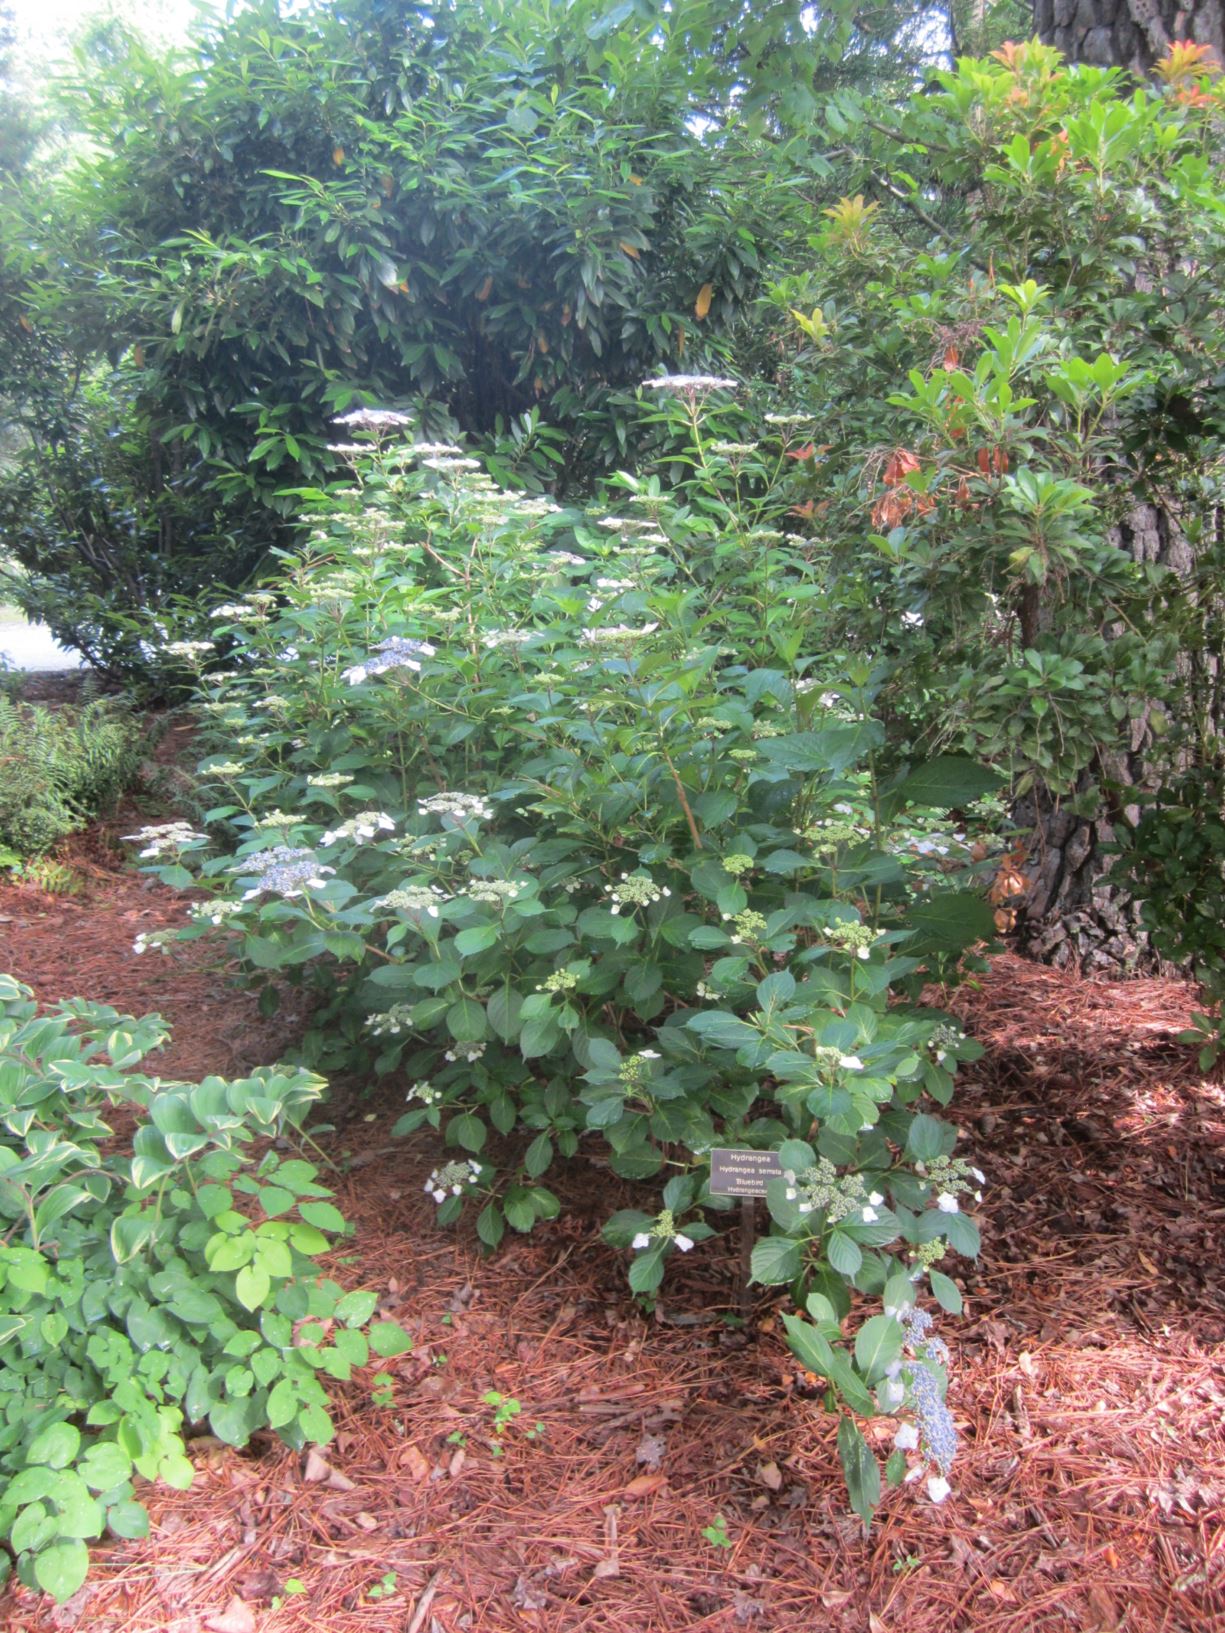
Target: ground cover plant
point(137, 1297)
point(60, 767)
point(573, 835)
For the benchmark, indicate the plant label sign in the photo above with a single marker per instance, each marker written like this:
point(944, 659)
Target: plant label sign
point(742, 1173)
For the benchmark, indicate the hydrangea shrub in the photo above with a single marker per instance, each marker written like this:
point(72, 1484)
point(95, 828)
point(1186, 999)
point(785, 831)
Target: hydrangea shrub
point(570, 830)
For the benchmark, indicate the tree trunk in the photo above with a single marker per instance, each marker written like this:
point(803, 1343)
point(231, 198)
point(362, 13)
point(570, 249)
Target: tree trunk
point(1073, 915)
point(1127, 33)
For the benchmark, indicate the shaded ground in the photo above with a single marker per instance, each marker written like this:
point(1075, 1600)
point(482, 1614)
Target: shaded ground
point(1087, 1385)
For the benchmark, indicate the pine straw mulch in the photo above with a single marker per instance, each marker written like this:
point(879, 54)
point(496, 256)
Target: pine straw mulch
point(1090, 1490)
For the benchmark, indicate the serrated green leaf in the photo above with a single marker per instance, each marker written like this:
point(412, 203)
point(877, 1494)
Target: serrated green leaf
point(945, 1291)
point(878, 1343)
point(860, 1468)
point(776, 1259)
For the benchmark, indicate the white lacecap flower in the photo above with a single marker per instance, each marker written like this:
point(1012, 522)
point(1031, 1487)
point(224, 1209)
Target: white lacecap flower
point(876, 1199)
point(938, 1488)
point(851, 1063)
point(689, 384)
point(907, 1438)
point(979, 1175)
point(683, 1242)
point(869, 1215)
point(373, 419)
point(892, 1392)
point(947, 1203)
point(641, 1240)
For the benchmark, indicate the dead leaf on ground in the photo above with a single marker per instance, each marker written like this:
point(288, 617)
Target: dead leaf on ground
point(317, 1467)
point(770, 1475)
point(644, 1484)
point(650, 1451)
point(235, 1618)
point(416, 1464)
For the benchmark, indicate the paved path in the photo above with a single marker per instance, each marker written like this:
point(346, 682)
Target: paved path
point(33, 647)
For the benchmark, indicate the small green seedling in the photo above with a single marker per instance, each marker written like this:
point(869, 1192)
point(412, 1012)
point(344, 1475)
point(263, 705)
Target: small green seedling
point(384, 1587)
point(716, 1533)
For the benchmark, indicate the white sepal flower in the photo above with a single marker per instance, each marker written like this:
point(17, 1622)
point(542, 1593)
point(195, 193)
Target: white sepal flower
point(641, 1240)
point(907, 1438)
point(938, 1488)
point(683, 1242)
point(948, 1203)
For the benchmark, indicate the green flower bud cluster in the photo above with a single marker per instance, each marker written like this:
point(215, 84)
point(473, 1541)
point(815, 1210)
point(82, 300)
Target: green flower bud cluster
point(821, 1189)
point(850, 937)
point(825, 837)
point(747, 926)
point(559, 981)
point(637, 1068)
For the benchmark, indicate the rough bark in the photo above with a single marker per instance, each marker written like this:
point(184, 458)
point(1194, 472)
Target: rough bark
point(1074, 915)
point(1128, 33)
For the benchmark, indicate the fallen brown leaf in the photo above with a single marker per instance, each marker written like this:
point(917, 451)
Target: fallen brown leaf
point(417, 1465)
point(235, 1618)
point(317, 1467)
point(644, 1484)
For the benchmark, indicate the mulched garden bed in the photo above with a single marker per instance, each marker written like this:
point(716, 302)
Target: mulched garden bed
point(1087, 1378)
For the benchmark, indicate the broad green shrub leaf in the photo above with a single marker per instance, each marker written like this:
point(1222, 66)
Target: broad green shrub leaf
point(860, 1468)
point(950, 921)
point(878, 1343)
point(818, 1355)
point(776, 1259)
point(945, 1291)
point(946, 781)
